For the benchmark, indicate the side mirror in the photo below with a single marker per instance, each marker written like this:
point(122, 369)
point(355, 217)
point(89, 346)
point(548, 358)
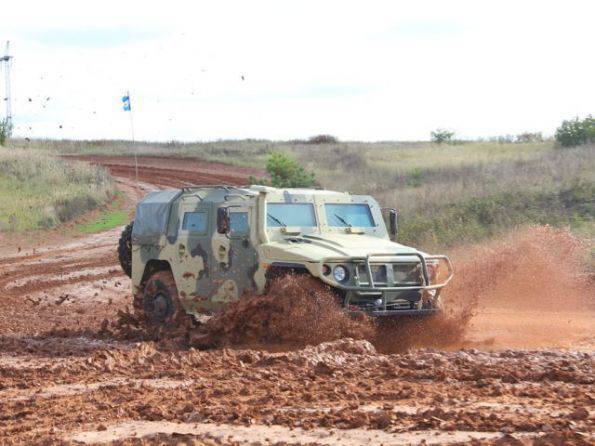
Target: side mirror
point(394, 224)
point(223, 220)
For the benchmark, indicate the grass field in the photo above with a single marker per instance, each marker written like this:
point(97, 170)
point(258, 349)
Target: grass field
point(446, 194)
point(38, 190)
point(110, 216)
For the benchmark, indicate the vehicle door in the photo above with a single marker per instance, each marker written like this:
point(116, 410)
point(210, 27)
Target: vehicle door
point(193, 247)
point(235, 257)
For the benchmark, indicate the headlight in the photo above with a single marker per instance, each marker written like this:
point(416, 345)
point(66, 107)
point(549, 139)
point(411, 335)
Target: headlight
point(340, 273)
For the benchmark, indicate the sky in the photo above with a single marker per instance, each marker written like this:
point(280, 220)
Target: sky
point(360, 70)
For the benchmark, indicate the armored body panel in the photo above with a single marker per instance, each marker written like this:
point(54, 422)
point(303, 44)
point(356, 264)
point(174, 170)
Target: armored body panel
point(220, 242)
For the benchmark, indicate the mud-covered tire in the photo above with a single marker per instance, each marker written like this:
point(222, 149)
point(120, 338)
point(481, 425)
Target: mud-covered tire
point(158, 303)
point(125, 249)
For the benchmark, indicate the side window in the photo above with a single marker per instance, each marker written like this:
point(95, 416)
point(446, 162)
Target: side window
point(195, 222)
point(239, 223)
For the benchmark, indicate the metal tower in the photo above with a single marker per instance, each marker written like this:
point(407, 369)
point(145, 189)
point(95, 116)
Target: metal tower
point(5, 62)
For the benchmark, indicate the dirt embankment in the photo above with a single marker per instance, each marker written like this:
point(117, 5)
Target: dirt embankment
point(66, 376)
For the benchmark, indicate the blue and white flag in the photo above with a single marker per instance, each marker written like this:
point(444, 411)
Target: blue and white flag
point(126, 102)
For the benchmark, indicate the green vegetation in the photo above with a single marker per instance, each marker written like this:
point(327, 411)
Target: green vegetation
point(5, 130)
point(108, 219)
point(110, 216)
point(440, 136)
point(38, 190)
point(482, 217)
point(285, 171)
point(446, 194)
point(529, 137)
point(323, 139)
point(575, 132)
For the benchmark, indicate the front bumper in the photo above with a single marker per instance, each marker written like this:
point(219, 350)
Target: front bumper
point(400, 313)
point(390, 298)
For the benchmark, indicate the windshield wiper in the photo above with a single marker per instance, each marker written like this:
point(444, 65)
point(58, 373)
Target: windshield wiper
point(342, 220)
point(276, 220)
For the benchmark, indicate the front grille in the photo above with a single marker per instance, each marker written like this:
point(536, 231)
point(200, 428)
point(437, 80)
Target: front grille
point(378, 274)
point(403, 274)
point(407, 273)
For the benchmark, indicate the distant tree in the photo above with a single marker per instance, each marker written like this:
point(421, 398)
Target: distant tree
point(440, 136)
point(323, 139)
point(285, 171)
point(5, 131)
point(575, 132)
point(529, 137)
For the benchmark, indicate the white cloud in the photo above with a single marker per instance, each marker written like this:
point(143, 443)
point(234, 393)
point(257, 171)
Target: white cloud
point(374, 70)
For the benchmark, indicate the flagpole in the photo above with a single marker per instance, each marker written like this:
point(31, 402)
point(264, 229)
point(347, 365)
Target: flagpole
point(133, 145)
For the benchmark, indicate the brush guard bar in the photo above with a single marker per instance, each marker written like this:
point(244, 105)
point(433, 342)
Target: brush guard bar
point(382, 309)
point(367, 261)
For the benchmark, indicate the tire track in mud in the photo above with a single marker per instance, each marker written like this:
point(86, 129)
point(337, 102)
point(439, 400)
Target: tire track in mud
point(36, 274)
point(343, 386)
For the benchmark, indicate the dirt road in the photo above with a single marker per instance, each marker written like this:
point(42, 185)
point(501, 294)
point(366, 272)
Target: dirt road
point(173, 172)
point(65, 379)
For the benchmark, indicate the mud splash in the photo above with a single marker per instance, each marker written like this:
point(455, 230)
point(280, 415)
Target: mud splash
point(531, 289)
point(297, 311)
point(534, 269)
point(539, 267)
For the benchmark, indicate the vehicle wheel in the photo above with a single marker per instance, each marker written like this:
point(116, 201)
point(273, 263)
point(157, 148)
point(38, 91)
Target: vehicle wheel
point(125, 249)
point(158, 303)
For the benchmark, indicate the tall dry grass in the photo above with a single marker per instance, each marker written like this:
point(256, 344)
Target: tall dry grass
point(38, 190)
point(446, 194)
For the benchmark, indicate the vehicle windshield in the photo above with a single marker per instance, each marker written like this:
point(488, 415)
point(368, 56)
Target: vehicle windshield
point(347, 215)
point(290, 214)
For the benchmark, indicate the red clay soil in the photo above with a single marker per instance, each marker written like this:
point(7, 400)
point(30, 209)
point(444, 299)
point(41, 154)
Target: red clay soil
point(510, 364)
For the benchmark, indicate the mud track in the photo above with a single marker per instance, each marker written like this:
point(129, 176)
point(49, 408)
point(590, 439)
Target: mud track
point(66, 379)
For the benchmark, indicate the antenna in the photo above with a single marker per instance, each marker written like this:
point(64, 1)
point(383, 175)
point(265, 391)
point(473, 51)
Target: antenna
point(5, 63)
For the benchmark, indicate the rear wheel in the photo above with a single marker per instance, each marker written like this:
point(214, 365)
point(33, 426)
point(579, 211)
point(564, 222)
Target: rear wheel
point(158, 303)
point(125, 249)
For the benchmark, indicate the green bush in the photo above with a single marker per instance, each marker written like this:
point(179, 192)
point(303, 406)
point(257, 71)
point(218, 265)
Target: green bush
point(440, 136)
point(285, 171)
point(576, 132)
point(323, 139)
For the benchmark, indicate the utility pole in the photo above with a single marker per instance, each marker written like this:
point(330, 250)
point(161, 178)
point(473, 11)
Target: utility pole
point(6, 62)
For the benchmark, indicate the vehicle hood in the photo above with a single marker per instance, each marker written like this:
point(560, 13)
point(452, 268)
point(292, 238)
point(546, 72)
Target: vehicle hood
point(314, 248)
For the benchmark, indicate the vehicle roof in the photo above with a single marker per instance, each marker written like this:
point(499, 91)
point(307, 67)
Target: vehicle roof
point(223, 192)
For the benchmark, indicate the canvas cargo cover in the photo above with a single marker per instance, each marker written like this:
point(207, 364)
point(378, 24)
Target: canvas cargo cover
point(152, 215)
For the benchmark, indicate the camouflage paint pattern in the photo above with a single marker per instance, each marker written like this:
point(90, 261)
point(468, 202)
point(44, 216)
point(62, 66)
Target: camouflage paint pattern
point(212, 269)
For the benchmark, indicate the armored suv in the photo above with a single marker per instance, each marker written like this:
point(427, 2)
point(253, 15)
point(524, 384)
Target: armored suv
point(195, 250)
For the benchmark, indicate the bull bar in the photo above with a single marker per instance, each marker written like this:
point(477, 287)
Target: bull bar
point(382, 309)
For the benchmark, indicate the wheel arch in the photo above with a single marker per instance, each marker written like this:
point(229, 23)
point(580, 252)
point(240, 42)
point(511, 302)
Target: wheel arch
point(154, 265)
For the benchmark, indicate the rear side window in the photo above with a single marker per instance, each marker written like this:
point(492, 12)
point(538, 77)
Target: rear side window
point(195, 222)
point(239, 223)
